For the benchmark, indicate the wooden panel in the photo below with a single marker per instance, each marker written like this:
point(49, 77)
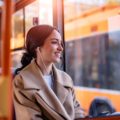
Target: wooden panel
point(22, 3)
point(3, 118)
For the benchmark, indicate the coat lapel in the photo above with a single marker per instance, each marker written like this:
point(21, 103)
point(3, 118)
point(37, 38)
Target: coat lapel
point(59, 85)
point(52, 99)
point(49, 98)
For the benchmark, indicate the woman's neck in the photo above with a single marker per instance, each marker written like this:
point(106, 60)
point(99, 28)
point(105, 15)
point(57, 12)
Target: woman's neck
point(46, 68)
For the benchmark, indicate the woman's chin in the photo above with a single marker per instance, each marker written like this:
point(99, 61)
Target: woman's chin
point(57, 60)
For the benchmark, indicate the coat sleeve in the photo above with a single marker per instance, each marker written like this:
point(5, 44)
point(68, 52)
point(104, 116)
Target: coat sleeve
point(25, 108)
point(79, 113)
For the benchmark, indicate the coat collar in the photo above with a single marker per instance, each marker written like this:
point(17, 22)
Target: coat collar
point(36, 81)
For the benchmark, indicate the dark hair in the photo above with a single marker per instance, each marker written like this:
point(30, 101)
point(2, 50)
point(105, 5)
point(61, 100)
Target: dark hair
point(36, 37)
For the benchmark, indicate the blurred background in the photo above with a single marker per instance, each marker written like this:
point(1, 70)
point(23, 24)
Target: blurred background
point(91, 33)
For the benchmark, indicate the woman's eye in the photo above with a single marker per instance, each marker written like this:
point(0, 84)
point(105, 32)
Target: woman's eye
point(57, 43)
point(54, 42)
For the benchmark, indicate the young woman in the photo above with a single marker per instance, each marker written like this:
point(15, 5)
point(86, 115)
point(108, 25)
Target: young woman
point(40, 90)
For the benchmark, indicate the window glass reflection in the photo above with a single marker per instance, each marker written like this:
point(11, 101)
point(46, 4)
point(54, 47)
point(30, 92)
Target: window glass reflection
point(46, 12)
point(31, 15)
point(39, 12)
point(17, 40)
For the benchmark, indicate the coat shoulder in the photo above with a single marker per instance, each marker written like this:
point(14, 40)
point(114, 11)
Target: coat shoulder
point(18, 80)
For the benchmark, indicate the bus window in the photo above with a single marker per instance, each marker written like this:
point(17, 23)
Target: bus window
point(94, 61)
point(114, 59)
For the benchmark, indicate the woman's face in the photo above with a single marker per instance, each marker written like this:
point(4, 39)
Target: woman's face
point(52, 49)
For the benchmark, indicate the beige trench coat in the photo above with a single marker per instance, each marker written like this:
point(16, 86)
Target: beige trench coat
point(34, 100)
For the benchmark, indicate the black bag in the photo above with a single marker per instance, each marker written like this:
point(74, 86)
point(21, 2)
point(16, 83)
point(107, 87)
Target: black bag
point(101, 106)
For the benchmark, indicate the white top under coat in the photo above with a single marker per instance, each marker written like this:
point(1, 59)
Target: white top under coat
point(48, 80)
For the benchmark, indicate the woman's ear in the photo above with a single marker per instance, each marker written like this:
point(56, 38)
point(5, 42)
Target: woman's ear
point(40, 49)
point(37, 49)
point(38, 52)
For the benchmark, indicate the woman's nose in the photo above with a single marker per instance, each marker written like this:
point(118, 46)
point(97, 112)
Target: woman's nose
point(60, 47)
